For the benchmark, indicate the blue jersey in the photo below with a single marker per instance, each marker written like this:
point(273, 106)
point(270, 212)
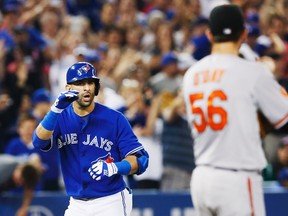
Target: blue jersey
point(103, 134)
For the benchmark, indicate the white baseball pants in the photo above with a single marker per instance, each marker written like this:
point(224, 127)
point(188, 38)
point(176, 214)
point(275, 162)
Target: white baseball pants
point(219, 192)
point(119, 204)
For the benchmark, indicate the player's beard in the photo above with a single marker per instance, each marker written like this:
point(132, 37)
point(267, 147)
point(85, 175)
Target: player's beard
point(85, 103)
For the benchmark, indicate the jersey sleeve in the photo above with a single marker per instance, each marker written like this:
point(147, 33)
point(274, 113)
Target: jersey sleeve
point(271, 99)
point(127, 141)
point(55, 136)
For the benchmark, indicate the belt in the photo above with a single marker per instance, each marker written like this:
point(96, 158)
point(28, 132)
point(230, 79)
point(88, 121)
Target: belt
point(93, 198)
point(234, 170)
point(85, 199)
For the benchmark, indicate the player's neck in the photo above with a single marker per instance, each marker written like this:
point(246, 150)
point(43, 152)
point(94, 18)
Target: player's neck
point(225, 48)
point(82, 111)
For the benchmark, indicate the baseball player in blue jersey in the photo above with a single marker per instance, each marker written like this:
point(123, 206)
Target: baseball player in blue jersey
point(97, 147)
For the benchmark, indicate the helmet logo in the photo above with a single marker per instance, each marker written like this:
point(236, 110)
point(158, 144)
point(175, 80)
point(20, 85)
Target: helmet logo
point(83, 69)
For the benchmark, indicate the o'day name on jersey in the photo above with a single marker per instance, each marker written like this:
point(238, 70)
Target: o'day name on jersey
point(207, 76)
point(72, 139)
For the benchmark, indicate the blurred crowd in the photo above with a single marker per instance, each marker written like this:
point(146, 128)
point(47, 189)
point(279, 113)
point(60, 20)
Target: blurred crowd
point(141, 50)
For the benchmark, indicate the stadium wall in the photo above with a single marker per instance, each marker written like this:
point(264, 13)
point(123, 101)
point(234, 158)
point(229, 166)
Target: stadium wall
point(146, 203)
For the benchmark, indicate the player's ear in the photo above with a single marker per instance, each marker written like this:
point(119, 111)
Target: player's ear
point(68, 87)
point(242, 38)
point(244, 35)
point(209, 35)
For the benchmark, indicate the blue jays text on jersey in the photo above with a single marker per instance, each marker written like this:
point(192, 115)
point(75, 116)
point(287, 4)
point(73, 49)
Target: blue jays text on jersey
point(93, 141)
point(104, 133)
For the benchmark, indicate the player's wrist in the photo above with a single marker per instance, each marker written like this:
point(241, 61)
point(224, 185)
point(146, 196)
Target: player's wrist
point(49, 120)
point(124, 167)
point(55, 109)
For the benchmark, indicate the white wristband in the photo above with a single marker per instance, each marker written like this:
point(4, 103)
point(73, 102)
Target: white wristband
point(55, 109)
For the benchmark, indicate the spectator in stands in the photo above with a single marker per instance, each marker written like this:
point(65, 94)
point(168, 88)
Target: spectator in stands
point(22, 147)
point(143, 116)
point(22, 175)
point(280, 166)
point(163, 44)
point(66, 56)
point(150, 137)
point(93, 57)
point(177, 144)
point(168, 79)
point(108, 16)
point(128, 15)
point(26, 104)
point(131, 54)
point(133, 108)
point(90, 9)
point(193, 10)
point(5, 104)
point(272, 49)
point(41, 103)
point(154, 20)
point(109, 64)
point(10, 103)
point(51, 178)
point(10, 16)
point(165, 6)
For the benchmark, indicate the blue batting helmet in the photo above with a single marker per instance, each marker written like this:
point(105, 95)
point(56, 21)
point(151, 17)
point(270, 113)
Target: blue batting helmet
point(80, 71)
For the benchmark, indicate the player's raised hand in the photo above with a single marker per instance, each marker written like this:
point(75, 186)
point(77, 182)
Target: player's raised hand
point(102, 169)
point(64, 99)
